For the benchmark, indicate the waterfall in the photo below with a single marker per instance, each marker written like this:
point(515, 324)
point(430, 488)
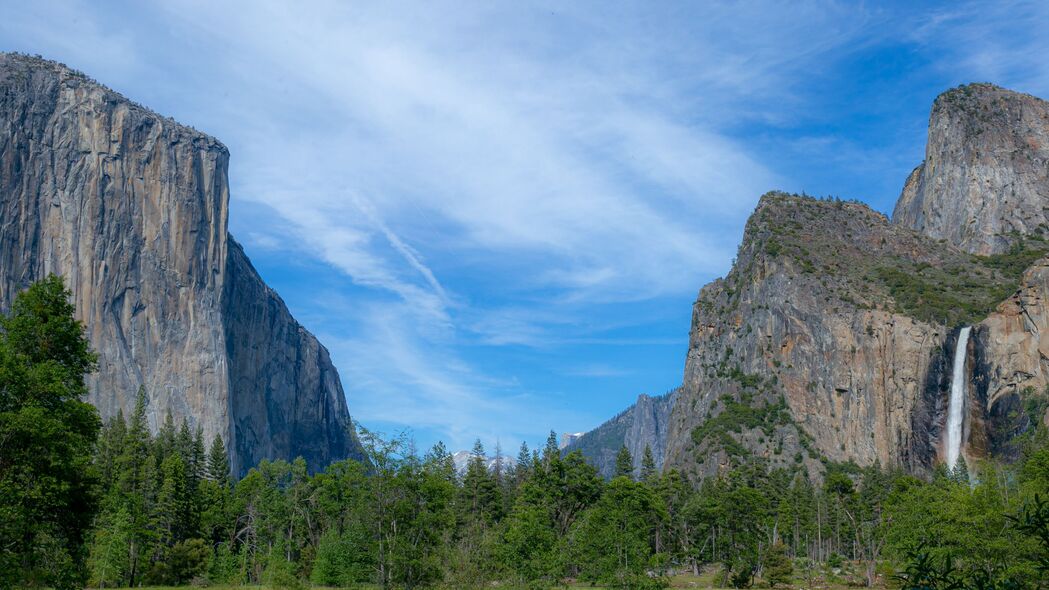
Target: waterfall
point(956, 404)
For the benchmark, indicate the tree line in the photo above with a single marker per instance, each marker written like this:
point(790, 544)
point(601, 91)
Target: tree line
point(116, 505)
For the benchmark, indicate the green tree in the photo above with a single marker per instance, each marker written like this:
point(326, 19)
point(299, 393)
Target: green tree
point(523, 468)
point(47, 434)
point(480, 492)
point(648, 466)
point(613, 540)
point(218, 462)
point(778, 567)
point(136, 489)
point(624, 463)
point(108, 561)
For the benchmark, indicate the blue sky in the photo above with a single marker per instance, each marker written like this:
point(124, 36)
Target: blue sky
point(497, 215)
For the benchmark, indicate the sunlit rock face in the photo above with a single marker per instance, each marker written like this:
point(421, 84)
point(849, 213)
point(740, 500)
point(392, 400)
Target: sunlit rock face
point(131, 209)
point(985, 177)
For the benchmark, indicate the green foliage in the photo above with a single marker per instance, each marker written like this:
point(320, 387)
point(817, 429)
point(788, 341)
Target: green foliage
point(648, 466)
point(168, 512)
point(737, 416)
point(778, 567)
point(46, 476)
point(612, 542)
point(624, 463)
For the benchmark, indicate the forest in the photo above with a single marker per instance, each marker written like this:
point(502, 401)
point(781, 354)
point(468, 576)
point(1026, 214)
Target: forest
point(114, 505)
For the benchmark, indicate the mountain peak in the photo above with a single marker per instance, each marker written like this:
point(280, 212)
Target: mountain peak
point(985, 178)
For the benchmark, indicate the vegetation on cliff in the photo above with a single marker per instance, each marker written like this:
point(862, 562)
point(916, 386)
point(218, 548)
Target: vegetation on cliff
point(860, 259)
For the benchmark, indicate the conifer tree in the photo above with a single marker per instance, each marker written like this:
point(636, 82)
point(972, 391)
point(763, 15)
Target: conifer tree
point(778, 567)
point(137, 489)
point(648, 466)
point(550, 451)
point(218, 462)
point(524, 464)
point(47, 434)
point(480, 492)
point(624, 463)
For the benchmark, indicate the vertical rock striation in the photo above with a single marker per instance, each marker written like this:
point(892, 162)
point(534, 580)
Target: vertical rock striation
point(131, 208)
point(985, 176)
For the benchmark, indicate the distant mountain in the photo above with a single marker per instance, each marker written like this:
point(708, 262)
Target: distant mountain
point(643, 424)
point(131, 209)
point(462, 460)
point(568, 438)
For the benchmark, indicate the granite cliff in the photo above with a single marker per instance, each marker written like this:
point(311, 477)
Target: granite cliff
point(831, 338)
point(985, 177)
point(131, 209)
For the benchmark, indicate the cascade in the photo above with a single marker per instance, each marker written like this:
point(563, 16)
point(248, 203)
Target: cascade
point(957, 402)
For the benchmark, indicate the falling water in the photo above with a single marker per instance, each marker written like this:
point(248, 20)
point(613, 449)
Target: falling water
point(956, 404)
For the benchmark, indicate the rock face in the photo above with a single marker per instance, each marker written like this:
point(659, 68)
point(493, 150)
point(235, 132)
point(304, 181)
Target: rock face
point(642, 425)
point(986, 171)
point(800, 351)
point(1011, 365)
point(131, 208)
point(832, 336)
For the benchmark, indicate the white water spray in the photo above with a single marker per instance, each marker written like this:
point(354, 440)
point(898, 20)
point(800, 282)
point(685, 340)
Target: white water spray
point(957, 402)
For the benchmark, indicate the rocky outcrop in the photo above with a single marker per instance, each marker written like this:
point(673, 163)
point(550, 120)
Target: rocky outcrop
point(804, 322)
point(847, 323)
point(642, 425)
point(1012, 367)
point(131, 208)
point(985, 177)
point(830, 339)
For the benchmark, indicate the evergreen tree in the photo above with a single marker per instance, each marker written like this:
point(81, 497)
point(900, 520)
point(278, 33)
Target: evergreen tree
point(108, 561)
point(614, 539)
point(778, 567)
point(550, 451)
point(648, 466)
point(523, 469)
point(624, 463)
point(480, 492)
point(166, 443)
point(218, 463)
point(136, 492)
point(107, 453)
point(47, 434)
point(173, 502)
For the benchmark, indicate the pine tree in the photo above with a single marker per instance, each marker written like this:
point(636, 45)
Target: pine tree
point(110, 445)
point(165, 444)
point(480, 492)
point(778, 567)
point(624, 463)
point(523, 469)
point(550, 451)
point(648, 466)
point(137, 488)
point(218, 463)
point(439, 461)
point(184, 442)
